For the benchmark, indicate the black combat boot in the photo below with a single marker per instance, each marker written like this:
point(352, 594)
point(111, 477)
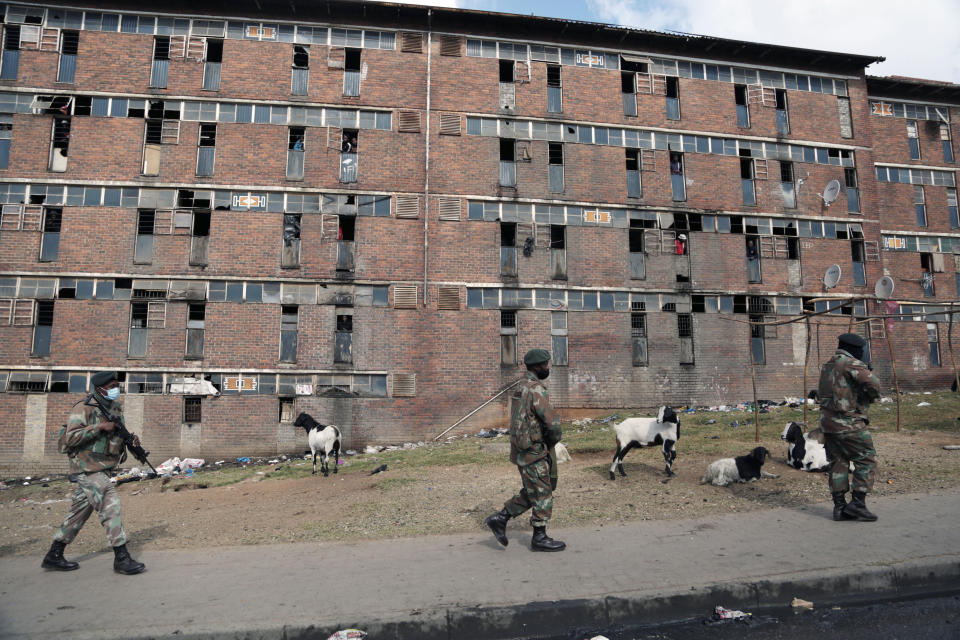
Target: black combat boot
point(54, 559)
point(498, 524)
point(542, 542)
point(857, 508)
point(839, 504)
point(123, 563)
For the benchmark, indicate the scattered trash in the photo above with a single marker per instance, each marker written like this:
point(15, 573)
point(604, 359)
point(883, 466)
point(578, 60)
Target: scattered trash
point(219, 462)
point(949, 447)
point(348, 634)
point(608, 419)
point(487, 434)
point(243, 460)
point(382, 467)
point(886, 400)
point(599, 638)
point(711, 421)
point(191, 464)
point(562, 454)
point(735, 424)
point(722, 613)
point(923, 404)
point(371, 449)
point(3, 486)
point(350, 452)
point(797, 603)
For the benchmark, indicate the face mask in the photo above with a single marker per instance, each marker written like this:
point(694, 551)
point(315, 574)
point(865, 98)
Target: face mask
point(113, 394)
point(543, 374)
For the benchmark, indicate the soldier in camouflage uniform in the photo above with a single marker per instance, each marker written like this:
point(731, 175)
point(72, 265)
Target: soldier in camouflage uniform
point(94, 448)
point(534, 432)
point(847, 387)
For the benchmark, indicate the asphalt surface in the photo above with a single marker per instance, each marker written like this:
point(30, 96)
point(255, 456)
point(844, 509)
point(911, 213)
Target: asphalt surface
point(467, 586)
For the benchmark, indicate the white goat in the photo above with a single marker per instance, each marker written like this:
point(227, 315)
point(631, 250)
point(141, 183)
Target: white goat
point(805, 451)
point(740, 469)
point(324, 439)
point(644, 432)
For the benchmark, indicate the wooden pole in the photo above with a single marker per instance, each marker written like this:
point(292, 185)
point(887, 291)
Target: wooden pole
point(893, 365)
point(806, 364)
point(818, 346)
point(756, 407)
point(953, 359)
point(850, 324)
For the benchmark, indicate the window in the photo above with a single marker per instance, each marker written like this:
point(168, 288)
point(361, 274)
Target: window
point(137, 342)
point(554, 89)
point(858, 256)
point(143, 253)
point(558, 335)
point(345, 239)
point(787, 186)
point(638, 338)
point(286, 410)
point(926, 275)
point(508, 166)
point(945, 142)
point(743, 106)
point(196, 318)
point(913, 139)
point(300, 81)
point(673, 98)
point(206, 149)
point(677, 180)
point(753, 259)
point(50, 244)
point(920, 205)
point(853, 191)
point(508, 249)
point(633, 173)
point(628, 89)
point(290, 248)
point(11, 52)
point(192, 410)
point(846, 120)
point(348, 155)
point(555, 153)
point(508, 338)
point(59, 145)
point(199, 238)
point(295, 153)
point(351, 72)
point(6, 132)
point(43, 330)
point(212, 62)
point(161, 62)
point(558, 252)
point(685, 333)
point(506, 71)
point(952, 207)
point(783, 120)
point(746, 179)
point(344, 335)
point(933, 340)
point(757, 348)
point(69, 41)
point(637, 264)
point(288, 333)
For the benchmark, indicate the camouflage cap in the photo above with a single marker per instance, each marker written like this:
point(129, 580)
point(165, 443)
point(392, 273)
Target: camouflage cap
point(103, 378)
point(536, 356)
point(852, 340)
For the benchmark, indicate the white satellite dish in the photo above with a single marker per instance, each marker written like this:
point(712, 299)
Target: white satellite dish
point(831, 192)
point(832, 276)
point(884, 287)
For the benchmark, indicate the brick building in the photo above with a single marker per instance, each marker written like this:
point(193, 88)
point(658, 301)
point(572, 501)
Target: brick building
point(370, 212)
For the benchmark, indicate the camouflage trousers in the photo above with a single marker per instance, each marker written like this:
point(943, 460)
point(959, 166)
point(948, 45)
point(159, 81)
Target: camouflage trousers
point(844, 448)
point(537, 493)
point(94, 492)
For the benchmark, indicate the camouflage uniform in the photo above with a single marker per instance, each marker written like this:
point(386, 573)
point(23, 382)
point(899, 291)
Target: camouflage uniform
point(92, 453)
point(534, 431)
point(847, 387)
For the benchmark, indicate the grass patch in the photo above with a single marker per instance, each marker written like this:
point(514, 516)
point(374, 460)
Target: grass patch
point(391, 484)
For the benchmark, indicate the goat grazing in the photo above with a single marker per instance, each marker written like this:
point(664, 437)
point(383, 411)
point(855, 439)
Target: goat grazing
point(740, 469)
point(323, 439)
point(644, 432)
point(805, 451)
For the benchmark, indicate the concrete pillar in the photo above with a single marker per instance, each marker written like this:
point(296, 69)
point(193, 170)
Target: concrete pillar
point(35, 427)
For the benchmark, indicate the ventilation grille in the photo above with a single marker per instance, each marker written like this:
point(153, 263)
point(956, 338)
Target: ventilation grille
point(411, 42)
point(449, 209)
point(451, 46)
point(450, 124)
point(448, 298)
point(408, 206)
point(405, 297)
point(408, 121)
point(405, 384)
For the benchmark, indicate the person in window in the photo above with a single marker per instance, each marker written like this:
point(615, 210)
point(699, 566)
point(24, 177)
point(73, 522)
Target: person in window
point(676, 166)
point(752, 250)
point(298, 144)
point(345, 145)
point(681, 245)
point(926, 281)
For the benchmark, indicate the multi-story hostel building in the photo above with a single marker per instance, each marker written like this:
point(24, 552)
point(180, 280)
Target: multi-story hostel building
point(369, 212)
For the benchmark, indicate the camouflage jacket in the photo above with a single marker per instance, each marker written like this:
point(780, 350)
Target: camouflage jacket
point(90, 449)
point(847, 387)
point(534, 426)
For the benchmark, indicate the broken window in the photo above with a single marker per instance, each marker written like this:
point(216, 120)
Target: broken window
point(637, 264)
point(753, 258)
point(558, 335)
point(952, 207)
point(933, 341)
point(743, 105)
point(508, 338)
point(554, 89)
point(677, 179)
point(343, 338)
point(143, 252)
point(351, 72)
point(628, 91)
point(508, 249)
point(787, 186)
point(11, 52)
point(60, 144)
point(50, 243)
point(346, 231)
point(211, 64)
point(508, 162)
point(288, 333)
point(137, 344)
point(69, 42)
point(286, 410)
point(196, 319)
point(673, 98)
point(853, 192)
point(633, 173)
point(199, 238)
point(920, 205)
point(290, 249)
point(295, 153)
point(161, 62)
point(43, 330)
point(746, 178)
point(555, 160)
point(858, 256)
point(685, 333)
point(913, 139)
point(558, 252)
point(299, 83)
point(192, 410)
point(945, 142)
point(348, 155)
point(638, 338)
point(206, 149)
point(506, 71)
point(758, 353)
point(783, 120)
point(926, 275)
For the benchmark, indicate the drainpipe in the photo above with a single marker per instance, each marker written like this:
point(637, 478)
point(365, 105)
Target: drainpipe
point(426, 164)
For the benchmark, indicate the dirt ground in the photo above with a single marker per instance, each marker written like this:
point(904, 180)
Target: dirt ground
point(451, 488)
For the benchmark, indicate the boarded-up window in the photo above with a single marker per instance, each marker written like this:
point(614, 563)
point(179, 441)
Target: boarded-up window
point(404, 384)
point(448, 297)
point(846, 123)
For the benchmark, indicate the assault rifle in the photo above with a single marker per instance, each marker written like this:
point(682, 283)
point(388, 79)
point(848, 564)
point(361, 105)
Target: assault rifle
point(137, 450)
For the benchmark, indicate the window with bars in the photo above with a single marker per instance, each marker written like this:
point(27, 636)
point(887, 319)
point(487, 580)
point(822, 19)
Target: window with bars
point(192, 410)
point(638, 338)
point(508, 337)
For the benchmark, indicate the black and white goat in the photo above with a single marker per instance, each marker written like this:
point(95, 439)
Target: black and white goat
point(646, 432)
point(323, 439)
point(805, 451)
point(740, 469)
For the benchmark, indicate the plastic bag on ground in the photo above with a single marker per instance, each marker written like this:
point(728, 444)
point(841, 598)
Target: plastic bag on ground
point(167, 467)
point(191, 463)
point(348, 634)
point(722, 613)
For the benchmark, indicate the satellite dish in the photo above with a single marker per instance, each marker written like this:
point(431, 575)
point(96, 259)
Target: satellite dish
point(884, 287)
point(831, 192)
point(832, 276)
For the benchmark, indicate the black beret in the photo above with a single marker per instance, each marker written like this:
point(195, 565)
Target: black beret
point(103, 378)
point(852, 340)
point(536, 356)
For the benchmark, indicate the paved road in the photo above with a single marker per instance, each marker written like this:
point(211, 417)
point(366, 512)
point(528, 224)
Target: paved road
point(466, 586)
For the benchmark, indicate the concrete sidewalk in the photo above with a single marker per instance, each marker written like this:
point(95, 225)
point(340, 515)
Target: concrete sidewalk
point(467, 586)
